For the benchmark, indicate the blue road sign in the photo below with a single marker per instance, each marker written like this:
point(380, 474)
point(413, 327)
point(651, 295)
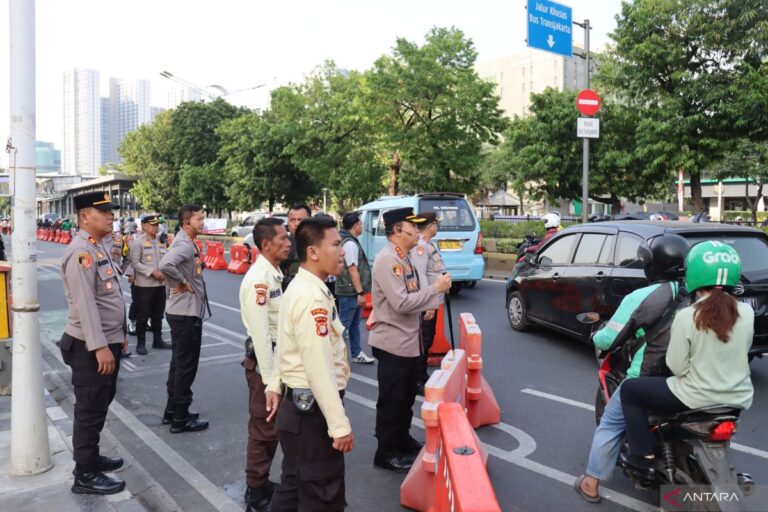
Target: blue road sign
point(549, 27)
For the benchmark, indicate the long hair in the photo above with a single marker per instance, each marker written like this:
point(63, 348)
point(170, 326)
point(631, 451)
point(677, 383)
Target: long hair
point(718, 312)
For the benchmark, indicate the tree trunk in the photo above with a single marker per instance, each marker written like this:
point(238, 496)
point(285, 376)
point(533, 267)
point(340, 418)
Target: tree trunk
point(271, 204)
point(698, 201)
point(615, 205)
point(394, 174)
point(753, 204)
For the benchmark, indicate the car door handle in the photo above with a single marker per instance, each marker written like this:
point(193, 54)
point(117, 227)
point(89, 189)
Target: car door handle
point(600, 276)
point(555, 276)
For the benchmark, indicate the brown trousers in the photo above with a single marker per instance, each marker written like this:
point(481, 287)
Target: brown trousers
point(262, 435)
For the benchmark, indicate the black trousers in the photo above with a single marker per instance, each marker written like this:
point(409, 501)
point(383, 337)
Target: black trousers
point(313, 472)
point(150, 302)
point(186, 339)
point(398, 378)
point(428, 329)
point(93, 394)
point(132, 307)
point(638, 396)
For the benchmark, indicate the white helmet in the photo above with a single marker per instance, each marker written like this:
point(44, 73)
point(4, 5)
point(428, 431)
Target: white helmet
point(551, 220)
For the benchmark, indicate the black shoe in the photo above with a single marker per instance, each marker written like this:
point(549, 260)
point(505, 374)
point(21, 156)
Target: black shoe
point(108, 463)
point(188, 425)
point(141, 349)
point(258, 498)
point(413, 447)
point(125, 355)
point(161, 344)
point(392, 462)
point(645, 468)
point(168, 416)
point(96, 482)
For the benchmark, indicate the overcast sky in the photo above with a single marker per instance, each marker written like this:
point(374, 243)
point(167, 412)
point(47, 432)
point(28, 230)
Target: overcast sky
point(242, 43)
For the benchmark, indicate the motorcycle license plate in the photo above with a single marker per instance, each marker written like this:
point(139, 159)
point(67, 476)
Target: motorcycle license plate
point(449, 245)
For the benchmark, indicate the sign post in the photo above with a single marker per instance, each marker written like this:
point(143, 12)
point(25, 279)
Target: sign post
point(586, 100)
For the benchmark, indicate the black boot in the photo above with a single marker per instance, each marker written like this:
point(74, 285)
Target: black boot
point(109, 463)
point(168, 416)
point(158, 342)
point(183, 422)
point(258, 498)
point(141, 348)
point(96, 482)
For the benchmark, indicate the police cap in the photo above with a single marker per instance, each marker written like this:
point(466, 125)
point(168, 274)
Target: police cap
point(99, 200)
point(150, 219)
point(401, 215)
point(429, 217)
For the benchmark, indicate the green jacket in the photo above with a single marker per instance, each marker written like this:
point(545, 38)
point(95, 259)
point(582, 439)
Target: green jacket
point(344, 286)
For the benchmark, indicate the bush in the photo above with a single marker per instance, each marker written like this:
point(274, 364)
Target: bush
point(502, 229)
point(507, 245)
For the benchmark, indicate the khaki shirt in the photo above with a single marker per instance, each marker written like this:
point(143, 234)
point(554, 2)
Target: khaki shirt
point(398, 300)
point(145, 257)
point(260, 294)
point(311, 352)
point(429, 264)
point(182, 263)
point(96, 309)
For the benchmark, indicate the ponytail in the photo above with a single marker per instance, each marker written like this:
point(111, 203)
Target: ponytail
point(719, 312)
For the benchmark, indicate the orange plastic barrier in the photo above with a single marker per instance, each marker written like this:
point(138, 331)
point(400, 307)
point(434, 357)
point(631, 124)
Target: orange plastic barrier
point(214, 256)
point(368, 308)
point(462, 483)
point(482, 406)
point(66, 238)
point(445, 385)
point(254, 254)
point(49, 235)
point(441, 345)
point(57, 236)
point(238, 259)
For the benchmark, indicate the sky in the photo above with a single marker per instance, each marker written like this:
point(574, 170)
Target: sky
point(243, 43)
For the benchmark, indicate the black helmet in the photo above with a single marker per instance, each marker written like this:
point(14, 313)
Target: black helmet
point(665, 258)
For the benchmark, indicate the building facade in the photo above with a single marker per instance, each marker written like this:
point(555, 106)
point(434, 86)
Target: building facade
point(81, 150)
point(129, 108)
point(178, 95)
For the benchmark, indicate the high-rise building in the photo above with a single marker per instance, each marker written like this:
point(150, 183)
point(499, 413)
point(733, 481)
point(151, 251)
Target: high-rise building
point(178, 95)
point(530, 71)
point(155, 112)
point(129, 108)
point(104, 130)
point(48, 158)
point(81, 151)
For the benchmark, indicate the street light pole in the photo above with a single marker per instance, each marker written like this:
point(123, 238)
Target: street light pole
point(30, 453)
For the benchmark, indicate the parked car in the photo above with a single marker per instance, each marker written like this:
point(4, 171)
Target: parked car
point(459, 238)
point(591, 267)
point(246, 225)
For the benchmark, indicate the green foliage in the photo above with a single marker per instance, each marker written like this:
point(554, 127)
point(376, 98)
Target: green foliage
point(507, 245)
point(517, 230)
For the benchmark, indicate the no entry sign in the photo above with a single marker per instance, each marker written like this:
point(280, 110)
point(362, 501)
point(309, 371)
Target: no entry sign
point(588, 102)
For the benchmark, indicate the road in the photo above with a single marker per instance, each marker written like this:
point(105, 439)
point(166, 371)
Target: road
point(545, 385)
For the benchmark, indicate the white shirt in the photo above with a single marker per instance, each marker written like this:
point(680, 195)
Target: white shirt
point(351, 253)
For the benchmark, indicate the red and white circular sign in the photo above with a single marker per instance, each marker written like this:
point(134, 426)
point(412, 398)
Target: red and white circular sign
point(588, 102)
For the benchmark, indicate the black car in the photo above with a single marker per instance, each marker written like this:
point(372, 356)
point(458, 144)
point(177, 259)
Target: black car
point(591, 267)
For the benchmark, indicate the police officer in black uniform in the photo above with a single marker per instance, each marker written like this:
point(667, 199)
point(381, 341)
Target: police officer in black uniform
point(93, 339)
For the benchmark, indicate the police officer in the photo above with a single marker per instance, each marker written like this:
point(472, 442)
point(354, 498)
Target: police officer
point(117, 246)
point(290, 266)
point(312, 367)
point(185, 310)
point(92, 339)
point(260, 294)
point(146, 253)
point(426, 257)
point(398, 300)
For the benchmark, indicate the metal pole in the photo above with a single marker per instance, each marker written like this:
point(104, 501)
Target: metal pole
point(585, 165)
point(30, 453)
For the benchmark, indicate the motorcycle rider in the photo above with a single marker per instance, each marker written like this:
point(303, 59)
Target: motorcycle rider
point(641, 326)
point(708, 353)
point(552, 225)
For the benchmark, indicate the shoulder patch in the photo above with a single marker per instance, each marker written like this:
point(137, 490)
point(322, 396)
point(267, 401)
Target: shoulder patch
point(261, 296)
point(397, 269)
point(420, 250)
point(85, 260)
point(319, 312)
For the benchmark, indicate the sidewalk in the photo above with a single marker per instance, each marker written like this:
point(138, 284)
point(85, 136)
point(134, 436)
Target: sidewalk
point(50, 491)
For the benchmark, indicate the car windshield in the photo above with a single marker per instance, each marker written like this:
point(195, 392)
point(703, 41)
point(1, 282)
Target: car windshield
point(753, 250)
point(453, 212)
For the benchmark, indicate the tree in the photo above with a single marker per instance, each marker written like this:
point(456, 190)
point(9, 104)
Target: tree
point(434, 112)
point(695, 68)
point(748, 160)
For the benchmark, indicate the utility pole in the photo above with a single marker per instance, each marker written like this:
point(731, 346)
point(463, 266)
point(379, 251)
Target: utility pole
point(585, 162)
point(30, 453)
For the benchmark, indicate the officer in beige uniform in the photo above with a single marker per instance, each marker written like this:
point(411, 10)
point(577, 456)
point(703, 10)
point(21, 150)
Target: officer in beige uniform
point(312, 373)
point(146, 253)
point(399, 297)
point(92, 339)
point(426, 257)
point(185, 309)
point(260, 294)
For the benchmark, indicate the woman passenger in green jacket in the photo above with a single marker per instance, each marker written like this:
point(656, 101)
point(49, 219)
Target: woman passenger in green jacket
point(708, 352)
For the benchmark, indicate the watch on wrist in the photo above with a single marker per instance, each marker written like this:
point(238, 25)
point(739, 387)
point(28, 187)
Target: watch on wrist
point(361, 293)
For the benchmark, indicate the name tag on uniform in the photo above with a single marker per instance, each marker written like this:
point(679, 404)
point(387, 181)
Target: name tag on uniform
point(275, 293)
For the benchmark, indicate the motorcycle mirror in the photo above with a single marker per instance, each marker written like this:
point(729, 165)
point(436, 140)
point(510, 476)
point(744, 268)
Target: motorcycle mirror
point(588, 318)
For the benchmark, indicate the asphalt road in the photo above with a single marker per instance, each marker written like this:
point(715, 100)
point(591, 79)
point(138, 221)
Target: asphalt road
point(545, 385)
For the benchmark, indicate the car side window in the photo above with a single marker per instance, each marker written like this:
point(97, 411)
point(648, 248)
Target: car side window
point(626, 251)
point(557, 253)
point(380, 226)
point(371, 217)
point(590, 247)
point(606, 254)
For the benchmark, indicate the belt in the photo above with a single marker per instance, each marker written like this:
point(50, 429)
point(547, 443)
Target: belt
point(288, 393)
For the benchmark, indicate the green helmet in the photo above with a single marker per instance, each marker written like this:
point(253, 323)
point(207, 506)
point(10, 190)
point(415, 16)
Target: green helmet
point(712, 264)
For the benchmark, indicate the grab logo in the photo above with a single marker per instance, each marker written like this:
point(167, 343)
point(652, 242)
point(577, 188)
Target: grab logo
point(721, 257)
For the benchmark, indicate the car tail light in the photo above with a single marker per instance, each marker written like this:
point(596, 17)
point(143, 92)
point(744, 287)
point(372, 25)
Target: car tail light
point(723, 431)
point(479, 246)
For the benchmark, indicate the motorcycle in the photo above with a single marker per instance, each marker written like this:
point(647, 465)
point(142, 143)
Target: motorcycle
point(692, 447)
point(522, 247)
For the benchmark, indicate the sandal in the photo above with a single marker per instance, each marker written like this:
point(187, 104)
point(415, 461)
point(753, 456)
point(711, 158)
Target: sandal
point(586, 497)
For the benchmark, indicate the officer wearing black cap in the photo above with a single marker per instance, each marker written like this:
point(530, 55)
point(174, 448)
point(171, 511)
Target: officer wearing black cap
point(146, 252)
point(92, 340)
point(398, 300)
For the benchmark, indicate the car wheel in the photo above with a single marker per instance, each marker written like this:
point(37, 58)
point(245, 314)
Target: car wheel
point(470, 284)
point(456, 287)
point(516, 312)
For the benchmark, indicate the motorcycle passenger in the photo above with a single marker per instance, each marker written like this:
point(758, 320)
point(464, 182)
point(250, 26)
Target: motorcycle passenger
point(641, 325)
point(552, 225)
point(708, 353)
